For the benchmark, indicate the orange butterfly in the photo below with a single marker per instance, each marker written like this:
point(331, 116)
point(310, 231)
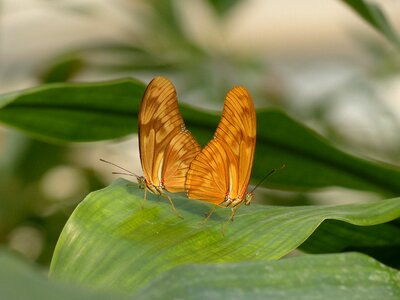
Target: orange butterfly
point(166, 147)
point(220, 173)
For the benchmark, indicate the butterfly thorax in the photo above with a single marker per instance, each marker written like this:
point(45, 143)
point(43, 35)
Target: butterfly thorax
point(157, 190)
point(229, 202)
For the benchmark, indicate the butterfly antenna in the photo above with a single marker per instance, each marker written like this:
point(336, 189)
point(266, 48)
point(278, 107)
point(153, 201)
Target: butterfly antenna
point(122, 173)
point(266, 176)
point(129, 173)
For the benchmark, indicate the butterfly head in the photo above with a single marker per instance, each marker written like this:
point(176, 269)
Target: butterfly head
point(248, 198)
point(142, 182)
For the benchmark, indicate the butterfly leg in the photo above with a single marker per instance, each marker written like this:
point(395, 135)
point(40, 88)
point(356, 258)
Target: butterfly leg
point(209, 215)
point(143, 185)
point(172, 205)
point(144, 198)
point(234, 209)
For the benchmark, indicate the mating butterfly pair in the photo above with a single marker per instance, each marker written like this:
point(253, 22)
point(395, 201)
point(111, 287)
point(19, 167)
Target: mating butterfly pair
point(172, 160)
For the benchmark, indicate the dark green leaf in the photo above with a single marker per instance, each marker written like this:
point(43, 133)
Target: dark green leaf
point(380, 241)
point(310, 160)
point(75, 112)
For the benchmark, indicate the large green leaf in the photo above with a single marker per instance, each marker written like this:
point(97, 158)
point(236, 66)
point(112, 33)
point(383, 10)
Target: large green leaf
point(19, 280)
point(340, 276)
point(109, 241)
point(84, 112)
point(374, 16)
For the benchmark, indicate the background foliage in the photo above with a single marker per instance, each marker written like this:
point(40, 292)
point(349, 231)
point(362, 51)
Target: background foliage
point(108, 242)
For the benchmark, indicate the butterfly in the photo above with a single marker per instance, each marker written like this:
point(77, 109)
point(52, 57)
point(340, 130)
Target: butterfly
point(220, 173)
point(166, 147)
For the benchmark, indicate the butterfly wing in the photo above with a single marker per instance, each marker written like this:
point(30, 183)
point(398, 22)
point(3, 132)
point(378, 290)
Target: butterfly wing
point(237, 132)
point(166, 147)
point(223, 167)
point(177, 158)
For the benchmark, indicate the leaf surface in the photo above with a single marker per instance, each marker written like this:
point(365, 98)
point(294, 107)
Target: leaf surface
point(109, 241)
point(339, 276)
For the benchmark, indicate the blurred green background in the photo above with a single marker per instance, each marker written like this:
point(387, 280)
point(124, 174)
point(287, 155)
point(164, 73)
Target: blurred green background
point(317, 60)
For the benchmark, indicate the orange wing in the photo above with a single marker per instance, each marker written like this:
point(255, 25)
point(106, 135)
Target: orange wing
point(166, 147)
point(222, 169)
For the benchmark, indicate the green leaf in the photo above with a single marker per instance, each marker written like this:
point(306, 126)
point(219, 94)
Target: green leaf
point(340, 276)
point(110, 242)
point(19, 280)
point(98, 111)
point(374, 16)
